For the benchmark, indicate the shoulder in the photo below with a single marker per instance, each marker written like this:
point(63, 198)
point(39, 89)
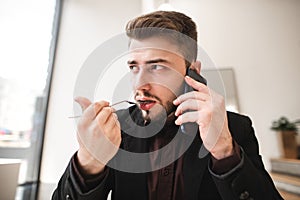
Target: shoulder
point(238, 120)
point(240, 126)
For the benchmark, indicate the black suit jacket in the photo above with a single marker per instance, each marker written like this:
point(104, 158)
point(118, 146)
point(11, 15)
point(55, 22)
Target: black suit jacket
point(248, 180)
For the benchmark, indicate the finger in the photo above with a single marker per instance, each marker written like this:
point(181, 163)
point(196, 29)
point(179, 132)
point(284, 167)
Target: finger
point(83, 102)
point(192, 116)
point(113, 109)
point(104, 115)
point(202, 118)
point(191, 95)
point(112, 121)
point(189, 104)
point(196, 84)
point(92, 111)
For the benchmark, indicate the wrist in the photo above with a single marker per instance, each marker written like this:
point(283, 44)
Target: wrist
point(223, 151)
point(88, 164)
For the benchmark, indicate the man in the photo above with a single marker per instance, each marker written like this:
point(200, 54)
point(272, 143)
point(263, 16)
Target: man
point(160, 56)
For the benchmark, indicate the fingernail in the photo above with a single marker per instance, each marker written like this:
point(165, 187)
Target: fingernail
point(187, 77)
point(76, 99)
point(175, 102)
point(201, 125)
point(178, 112)
point(178, 121)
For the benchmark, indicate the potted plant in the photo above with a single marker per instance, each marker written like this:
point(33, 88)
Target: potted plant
point(287, 132)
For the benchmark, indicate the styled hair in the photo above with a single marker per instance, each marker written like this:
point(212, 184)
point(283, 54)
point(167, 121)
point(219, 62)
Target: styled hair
point(175, 26)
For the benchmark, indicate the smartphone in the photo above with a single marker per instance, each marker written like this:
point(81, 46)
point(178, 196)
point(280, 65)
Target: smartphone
point(191, 127)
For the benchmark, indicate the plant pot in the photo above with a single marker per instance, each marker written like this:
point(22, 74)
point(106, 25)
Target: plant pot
point(288, 144)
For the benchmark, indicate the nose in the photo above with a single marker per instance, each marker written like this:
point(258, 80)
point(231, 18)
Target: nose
point(142, 80)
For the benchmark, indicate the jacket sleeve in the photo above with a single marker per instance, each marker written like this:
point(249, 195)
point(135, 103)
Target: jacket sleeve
point(69, 188)
point(249, 179)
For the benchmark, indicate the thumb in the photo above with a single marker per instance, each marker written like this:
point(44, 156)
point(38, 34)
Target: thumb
point(83, 102)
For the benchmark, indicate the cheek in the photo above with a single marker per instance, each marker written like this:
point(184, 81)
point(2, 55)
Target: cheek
point(134, 82)
point(174, 87)
point(172, 83)
point(165, 94)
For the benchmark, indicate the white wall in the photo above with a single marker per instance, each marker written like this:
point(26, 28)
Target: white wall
point(85, 25)
point(260, 39)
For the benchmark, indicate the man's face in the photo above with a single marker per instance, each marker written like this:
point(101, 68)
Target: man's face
point(157, 70)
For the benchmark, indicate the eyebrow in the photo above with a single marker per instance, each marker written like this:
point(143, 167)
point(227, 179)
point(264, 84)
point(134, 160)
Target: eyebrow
point(159, 60)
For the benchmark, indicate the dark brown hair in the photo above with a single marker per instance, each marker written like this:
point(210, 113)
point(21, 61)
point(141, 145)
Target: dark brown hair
point(172, 25)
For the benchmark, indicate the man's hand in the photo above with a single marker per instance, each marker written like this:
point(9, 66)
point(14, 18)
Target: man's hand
point(207, 109)
point(98, 134)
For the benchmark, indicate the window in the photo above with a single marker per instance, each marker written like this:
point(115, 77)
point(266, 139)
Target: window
point(28, 39)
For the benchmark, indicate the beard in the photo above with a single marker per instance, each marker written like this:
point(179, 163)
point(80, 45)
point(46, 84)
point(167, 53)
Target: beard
point(160, 111)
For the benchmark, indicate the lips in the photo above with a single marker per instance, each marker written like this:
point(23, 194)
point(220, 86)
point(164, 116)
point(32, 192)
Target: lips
point(146, 104)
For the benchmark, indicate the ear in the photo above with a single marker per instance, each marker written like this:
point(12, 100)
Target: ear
point(196, 65)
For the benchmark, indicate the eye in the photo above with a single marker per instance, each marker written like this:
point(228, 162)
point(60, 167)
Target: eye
point(133, 68)
point(157, 67)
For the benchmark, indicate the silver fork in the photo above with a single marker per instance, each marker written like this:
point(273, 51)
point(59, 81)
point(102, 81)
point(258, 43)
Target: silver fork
point(112, 105)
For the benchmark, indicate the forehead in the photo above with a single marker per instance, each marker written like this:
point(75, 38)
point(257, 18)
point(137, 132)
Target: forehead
point(154, 46)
